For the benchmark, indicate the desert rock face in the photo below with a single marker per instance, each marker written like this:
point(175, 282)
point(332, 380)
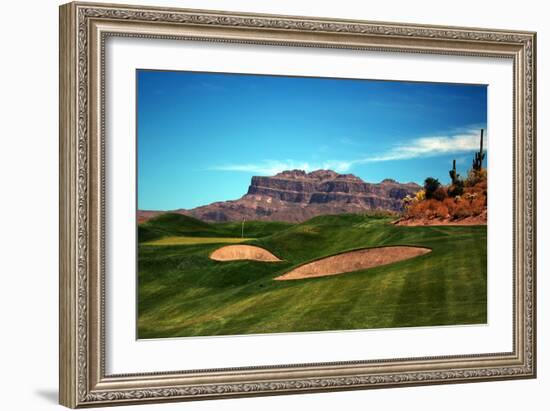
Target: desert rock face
point(296, 196)
point(326, 186)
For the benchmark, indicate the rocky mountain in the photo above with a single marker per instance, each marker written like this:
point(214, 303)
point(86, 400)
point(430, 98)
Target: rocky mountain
point(296, 196)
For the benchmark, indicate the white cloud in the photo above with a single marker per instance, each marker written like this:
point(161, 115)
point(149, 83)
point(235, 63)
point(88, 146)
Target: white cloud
point(428, 147)
point(271, 167)
point(417, 148)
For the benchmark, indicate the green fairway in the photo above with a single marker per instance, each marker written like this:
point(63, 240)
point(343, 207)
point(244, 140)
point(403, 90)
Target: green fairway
point(182, 292)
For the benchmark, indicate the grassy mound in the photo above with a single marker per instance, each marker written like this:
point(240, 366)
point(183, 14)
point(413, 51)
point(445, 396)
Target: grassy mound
point(174, 225)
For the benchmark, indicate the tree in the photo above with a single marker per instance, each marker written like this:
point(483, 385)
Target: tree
point(430, 186)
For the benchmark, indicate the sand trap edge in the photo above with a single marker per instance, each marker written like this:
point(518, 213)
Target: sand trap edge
point(300, 272)
point(243, 252)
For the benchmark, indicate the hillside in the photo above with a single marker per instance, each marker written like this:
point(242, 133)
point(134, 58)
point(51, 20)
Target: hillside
point(179, 225)
point(463, 201)
point(296, 196)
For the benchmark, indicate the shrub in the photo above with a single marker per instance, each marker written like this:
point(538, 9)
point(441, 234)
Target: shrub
point(440, 210)
point(478, 205)
point(416, 209)
point(462, 209)
point(408, 201)
point(430, 186)
point(451, 203)
point(476, 176)
point(456, 189)
point(427, 209)
point(440, 194)
point(420, 196)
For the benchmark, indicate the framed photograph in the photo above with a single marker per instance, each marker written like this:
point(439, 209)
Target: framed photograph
point(259, 204)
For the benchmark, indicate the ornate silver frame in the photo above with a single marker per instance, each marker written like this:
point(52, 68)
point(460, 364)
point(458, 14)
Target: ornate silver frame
point(83, 30)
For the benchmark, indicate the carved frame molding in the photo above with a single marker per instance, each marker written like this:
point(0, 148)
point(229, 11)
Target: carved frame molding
point(84, 27)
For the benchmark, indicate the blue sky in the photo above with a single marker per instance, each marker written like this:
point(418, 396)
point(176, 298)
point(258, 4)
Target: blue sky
point(202, 136)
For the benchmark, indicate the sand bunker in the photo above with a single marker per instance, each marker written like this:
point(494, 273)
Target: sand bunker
point(242, 252)
point(354, 261)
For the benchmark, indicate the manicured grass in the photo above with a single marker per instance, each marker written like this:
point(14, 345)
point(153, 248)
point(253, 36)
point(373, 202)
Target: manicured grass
point(177, 240)
point(172, 225)
point(182, 292)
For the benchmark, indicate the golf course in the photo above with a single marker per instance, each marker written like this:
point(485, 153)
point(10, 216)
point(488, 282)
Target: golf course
point(286, 279)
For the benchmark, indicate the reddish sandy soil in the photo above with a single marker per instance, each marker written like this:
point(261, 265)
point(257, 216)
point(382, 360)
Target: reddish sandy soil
point(475, 220)
point(242, 252)
point(353, 261)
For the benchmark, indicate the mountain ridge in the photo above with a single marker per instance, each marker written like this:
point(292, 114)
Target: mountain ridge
point(295, 196)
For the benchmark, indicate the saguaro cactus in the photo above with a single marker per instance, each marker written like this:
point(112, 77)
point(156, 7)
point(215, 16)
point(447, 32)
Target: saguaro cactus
point(457, 185)
point(478, 158)
point(454, 175)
